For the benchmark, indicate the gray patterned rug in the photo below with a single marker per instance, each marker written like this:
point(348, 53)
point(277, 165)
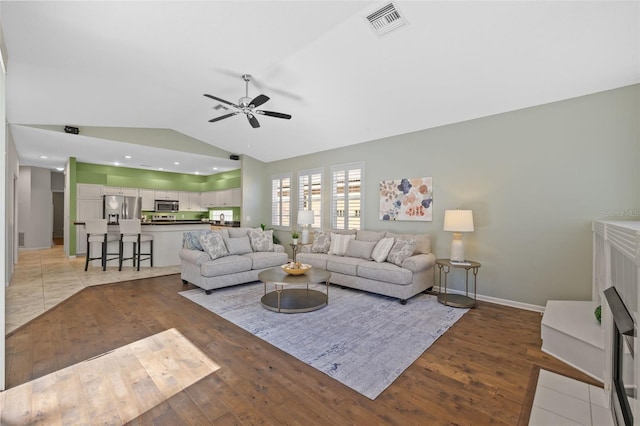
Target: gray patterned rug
point(364, 341)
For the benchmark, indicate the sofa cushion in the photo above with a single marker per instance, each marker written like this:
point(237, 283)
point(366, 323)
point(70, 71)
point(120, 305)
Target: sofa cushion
point(369, 235)
point(266, 259)
point(382, 249)
point(213, 244)
point(238, 232)
point(423, 241)
point(317, 260)
point(401, 250)
point(261, 240)
point(386, 272)
point(321, 242)
point(344, 265)
point(225, 265)
point(190, 239)
point(360, 249)
point(339, 243)
point(239, 245)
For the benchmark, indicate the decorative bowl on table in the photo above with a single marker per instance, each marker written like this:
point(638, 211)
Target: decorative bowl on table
point(295, 268)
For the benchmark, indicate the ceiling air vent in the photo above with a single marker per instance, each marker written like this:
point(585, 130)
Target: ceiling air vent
point(386, 19)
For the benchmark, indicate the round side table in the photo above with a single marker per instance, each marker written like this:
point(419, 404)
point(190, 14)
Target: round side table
point(458, 300)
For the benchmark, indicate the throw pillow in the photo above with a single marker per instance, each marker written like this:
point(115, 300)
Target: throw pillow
point(213, 245)
point(237, 232)
point(240, 245)
point(369, 235)
point(382, 249)
point(191, 241)
point(360, 249)
point(261, 240)
point(321, 242)
point(401, 250)
point(339, 243)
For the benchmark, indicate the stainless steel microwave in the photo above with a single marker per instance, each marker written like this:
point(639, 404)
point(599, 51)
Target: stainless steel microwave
point(167, 206)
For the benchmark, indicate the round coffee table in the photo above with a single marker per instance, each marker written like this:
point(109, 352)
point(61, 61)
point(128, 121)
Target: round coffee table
point(290, 300)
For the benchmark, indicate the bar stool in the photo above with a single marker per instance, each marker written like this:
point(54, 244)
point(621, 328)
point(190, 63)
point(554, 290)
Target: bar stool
point(131, 232)
point(97, 232)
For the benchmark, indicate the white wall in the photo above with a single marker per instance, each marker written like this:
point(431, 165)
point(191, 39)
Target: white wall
point(35, 207)
point(256, 195)
point(534, 178)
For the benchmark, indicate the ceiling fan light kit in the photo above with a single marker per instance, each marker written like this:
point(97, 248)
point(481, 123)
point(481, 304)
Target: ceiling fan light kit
point(248, 106)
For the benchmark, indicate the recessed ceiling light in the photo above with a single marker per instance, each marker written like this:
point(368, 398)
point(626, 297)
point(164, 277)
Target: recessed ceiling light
point(176, 163)
point(43, 156)
point(197, 173)
point(127, 157)
point(59, 169)
point(215, 168)
point(160, 168)
point(116, 164)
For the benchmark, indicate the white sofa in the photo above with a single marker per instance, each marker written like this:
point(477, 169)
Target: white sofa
point(244, 259)
point(356, 268)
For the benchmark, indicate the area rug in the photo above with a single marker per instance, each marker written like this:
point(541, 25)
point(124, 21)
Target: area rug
point(363, 340)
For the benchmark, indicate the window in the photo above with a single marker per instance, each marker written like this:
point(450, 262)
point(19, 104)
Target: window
point(346, 196)
point(310, 194)
point(281, 200)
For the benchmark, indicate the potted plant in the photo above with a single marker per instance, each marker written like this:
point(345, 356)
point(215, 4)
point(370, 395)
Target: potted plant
point(295, 236)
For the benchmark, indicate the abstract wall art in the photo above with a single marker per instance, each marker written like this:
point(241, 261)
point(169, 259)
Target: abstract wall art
point(406, 199)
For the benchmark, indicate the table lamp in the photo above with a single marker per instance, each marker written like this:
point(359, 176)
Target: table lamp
point(458, 221)
point(305, 218)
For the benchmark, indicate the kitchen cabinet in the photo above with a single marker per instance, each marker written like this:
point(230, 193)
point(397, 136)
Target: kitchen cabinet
point(148, 199)
point(88, 190)
point(190, 201)
point(86, 208)
point(166, 195)
point(117, 190)
point(223, 198)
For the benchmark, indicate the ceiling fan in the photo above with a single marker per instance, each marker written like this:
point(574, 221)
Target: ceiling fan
point(248, 106)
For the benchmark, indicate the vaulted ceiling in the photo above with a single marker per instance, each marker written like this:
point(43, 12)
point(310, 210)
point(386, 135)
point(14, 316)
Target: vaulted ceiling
point(131, 75)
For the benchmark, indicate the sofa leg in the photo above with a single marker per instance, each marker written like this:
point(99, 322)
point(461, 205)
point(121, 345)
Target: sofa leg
point(403, 301)
point(208, 291)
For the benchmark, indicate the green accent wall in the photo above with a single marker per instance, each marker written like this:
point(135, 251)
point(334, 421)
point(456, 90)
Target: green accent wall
point(153, 179)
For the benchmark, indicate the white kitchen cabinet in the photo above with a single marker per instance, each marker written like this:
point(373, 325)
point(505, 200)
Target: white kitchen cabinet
point(162, 194)
point(207, 199)
point(86, 208)
point(223, 198)
point(148, 199)
point(190, 201)
point(88, 190)
point(119, 190)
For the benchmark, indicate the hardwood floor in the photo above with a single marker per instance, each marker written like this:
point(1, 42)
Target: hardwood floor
point(477, 373)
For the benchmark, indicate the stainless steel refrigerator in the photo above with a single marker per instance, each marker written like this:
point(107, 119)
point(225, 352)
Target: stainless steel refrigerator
point(116, 207)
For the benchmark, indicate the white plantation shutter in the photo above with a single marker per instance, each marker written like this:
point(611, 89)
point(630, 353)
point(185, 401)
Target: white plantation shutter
point(281, 200)
point(346, 196)
point(310, 194)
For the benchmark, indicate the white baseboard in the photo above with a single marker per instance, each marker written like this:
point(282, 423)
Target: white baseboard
point(498, 301)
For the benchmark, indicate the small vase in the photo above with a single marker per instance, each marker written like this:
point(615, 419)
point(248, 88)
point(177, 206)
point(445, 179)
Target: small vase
point(295, 241)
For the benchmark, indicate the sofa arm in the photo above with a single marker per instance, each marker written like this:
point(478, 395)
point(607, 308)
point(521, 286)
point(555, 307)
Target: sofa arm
point(278, 248)
point(419, 262)
point(306, 248)
point(195, 257)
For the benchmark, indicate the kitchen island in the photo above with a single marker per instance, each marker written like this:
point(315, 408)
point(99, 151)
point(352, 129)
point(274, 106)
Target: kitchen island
point(167, 241)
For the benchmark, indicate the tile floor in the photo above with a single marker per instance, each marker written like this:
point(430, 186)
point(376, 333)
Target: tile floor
point(43, 278)
point(560, 400)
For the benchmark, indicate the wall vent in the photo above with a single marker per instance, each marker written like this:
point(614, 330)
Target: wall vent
point(386, 19)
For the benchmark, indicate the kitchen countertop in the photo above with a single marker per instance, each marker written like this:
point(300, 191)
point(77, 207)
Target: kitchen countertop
point(182, 222)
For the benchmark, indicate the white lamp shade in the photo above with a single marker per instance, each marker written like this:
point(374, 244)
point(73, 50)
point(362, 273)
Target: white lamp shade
point(305, 217)
point(458, 220)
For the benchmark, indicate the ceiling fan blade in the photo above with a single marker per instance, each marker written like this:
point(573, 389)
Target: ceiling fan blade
point(221, 100)
point(253, 120)
point(222, 117)
point(274, 114)
point(259, 100)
